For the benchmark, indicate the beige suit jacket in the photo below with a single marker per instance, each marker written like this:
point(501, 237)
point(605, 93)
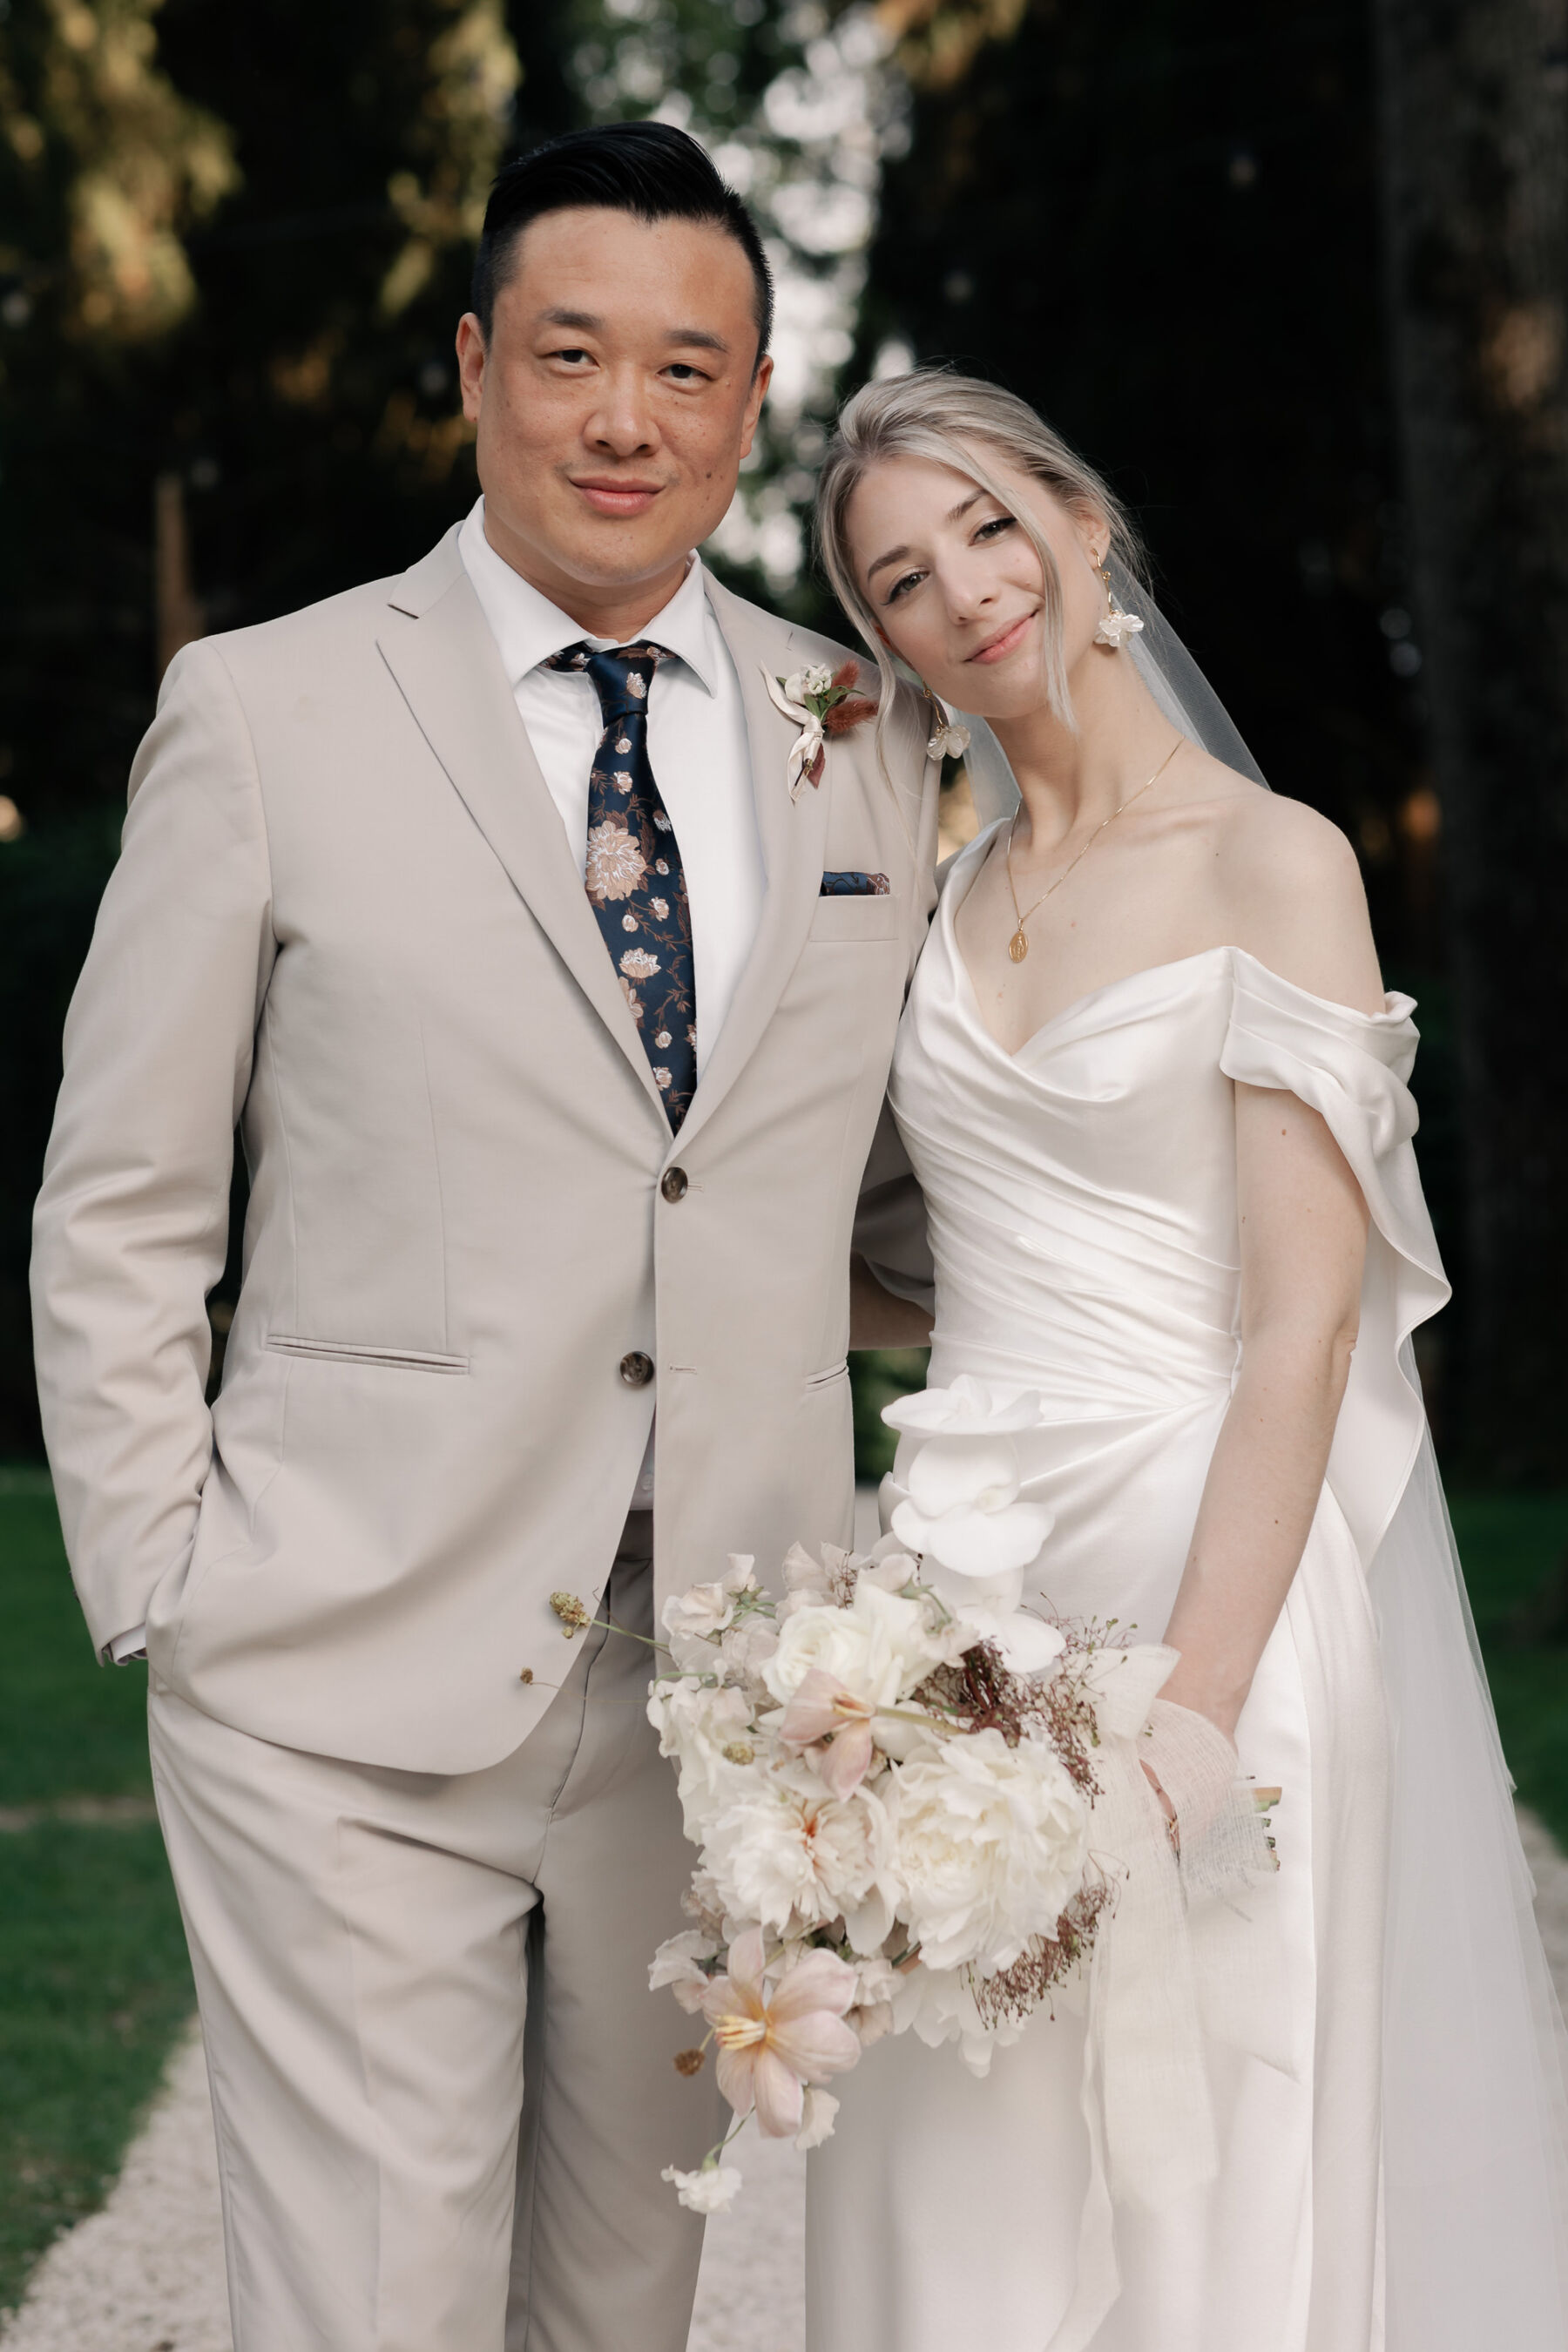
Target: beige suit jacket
point(347, 918)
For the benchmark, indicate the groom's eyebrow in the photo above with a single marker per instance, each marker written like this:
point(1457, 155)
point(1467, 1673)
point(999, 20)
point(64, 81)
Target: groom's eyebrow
point(588, 322)
point(902, 554)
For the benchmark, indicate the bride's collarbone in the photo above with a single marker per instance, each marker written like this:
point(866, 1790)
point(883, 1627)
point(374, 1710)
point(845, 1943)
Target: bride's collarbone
point(1110, 931)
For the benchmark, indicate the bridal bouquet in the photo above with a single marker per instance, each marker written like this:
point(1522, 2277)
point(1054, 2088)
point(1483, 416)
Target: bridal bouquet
point(919, 1806)
point(890, 1775)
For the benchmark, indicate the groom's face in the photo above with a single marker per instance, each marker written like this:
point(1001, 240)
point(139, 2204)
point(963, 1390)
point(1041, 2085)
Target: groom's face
point(614, 400)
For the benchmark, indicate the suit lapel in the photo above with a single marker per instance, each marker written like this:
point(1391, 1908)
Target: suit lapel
point(438, 647)
point(794, 835)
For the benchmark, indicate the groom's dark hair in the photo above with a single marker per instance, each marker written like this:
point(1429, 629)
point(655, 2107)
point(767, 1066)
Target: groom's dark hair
point(647, 169)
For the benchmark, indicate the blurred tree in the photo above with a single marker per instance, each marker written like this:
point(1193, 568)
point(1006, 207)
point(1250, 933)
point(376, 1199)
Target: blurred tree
point(236, 244)
point(1476, 147)
point(1161, 229)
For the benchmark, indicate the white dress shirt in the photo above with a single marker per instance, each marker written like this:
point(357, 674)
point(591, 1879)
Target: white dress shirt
point(697, 744)
point(701, 754)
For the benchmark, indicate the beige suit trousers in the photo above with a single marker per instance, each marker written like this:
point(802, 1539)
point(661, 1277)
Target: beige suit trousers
point(444, 2094)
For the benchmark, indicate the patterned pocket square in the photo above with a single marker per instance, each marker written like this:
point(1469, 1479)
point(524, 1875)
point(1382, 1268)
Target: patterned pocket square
point(854, 886)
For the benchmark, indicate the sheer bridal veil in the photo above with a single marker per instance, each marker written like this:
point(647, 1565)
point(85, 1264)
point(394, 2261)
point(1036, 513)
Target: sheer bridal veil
point(1475, 2066)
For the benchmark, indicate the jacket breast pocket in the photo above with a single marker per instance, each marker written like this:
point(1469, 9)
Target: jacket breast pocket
point(847, 920)
point(348, 1351)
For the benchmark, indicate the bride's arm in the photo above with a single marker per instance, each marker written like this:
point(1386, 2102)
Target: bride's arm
point(1296, 901)
point(1303, 1240)
point(879, 1320)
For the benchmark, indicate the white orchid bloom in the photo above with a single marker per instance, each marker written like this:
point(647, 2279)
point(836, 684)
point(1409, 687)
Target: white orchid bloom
point(962, 1509)
point(969, 1408)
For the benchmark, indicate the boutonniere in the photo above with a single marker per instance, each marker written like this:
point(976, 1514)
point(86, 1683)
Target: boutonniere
point(820, 702)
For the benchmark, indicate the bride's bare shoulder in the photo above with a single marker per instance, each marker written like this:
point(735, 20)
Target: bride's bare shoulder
point(1292, 894)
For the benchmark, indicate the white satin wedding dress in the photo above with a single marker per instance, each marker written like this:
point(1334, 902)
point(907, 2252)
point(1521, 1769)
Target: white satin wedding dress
point(1083, 1220)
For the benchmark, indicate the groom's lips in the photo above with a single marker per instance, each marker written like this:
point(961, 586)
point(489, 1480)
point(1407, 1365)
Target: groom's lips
point(608, 496)
point(999, 647)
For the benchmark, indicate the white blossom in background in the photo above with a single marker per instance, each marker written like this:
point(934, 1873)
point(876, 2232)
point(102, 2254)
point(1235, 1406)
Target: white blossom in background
point(807, 157)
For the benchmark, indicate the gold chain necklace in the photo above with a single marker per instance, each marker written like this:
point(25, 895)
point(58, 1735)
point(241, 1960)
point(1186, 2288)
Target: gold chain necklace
point(1018, 945)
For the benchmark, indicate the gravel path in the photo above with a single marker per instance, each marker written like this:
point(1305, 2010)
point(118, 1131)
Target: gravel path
point(146, 2273)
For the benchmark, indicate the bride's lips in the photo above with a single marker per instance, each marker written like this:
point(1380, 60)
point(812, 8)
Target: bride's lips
point(998, 648)
point(607, 495)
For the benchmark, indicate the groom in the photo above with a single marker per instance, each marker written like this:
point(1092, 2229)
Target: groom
point(556, 1027)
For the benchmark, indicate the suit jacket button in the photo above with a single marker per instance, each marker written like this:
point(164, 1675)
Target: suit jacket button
point(636, 1369)
point(673, 1184)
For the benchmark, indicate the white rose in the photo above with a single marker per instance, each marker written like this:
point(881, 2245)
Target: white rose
point(785, 1853)
point(879, 1647)
point(990, 1843)
point(709, 1731)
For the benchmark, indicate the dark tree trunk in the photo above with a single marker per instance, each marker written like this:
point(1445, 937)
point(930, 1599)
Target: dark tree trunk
point(1475, 128)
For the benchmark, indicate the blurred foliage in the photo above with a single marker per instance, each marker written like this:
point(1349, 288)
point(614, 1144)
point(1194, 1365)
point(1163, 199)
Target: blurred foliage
point(236, 242)
point(94, 1980)
point(877, 1377)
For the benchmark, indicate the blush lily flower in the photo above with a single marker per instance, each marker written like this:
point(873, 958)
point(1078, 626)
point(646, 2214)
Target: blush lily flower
point(775, 2039)
point(823, 1708)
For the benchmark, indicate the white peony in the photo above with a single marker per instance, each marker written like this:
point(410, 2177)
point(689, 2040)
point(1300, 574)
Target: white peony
point(709, 1732)
point(989, 1844)
point(878, 1648)
point(694, 1618)
point(941, 2008)
point(713, 2190)
point(787, 1853)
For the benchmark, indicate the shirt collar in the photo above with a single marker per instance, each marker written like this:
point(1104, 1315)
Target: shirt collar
point(528, 629)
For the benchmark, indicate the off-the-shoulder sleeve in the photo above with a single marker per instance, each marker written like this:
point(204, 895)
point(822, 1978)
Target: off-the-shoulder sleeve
point(1354, 1068)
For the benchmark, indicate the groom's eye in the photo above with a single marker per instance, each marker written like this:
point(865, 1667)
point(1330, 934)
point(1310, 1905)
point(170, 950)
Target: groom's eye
point(572, 356)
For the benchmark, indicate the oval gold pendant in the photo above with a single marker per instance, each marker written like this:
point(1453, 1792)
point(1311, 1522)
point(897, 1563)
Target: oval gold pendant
point(1019, 946)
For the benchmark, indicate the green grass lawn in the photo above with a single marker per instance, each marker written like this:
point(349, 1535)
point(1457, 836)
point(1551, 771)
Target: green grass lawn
point(94, 1982)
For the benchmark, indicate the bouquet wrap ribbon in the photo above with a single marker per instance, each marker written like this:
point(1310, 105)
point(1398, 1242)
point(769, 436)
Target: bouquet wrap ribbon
point(1145, 2085)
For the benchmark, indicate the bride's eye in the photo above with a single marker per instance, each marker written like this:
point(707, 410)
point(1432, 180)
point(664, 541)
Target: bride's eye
point(899, 587)
point(996, 526)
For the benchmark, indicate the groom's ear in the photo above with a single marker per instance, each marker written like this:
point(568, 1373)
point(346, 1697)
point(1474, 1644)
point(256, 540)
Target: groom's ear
point(470, 350)
point(754, 399)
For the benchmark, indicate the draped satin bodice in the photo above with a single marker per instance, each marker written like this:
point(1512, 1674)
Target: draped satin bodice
point(1081, 1192)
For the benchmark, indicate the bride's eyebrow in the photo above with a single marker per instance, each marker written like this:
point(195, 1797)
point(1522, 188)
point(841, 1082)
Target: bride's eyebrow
point(902, 554)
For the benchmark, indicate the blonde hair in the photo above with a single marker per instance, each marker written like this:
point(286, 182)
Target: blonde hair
point(953, 420)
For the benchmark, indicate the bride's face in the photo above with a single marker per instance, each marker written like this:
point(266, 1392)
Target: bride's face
point(956, 584)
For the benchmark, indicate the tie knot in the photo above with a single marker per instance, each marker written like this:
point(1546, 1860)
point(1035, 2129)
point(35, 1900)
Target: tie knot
point(621, 677)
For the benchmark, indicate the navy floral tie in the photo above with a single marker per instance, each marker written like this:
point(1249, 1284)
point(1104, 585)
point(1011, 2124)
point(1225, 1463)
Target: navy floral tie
point(634, 883)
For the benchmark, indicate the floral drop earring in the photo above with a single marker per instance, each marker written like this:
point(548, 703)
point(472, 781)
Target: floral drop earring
point(1116, 627)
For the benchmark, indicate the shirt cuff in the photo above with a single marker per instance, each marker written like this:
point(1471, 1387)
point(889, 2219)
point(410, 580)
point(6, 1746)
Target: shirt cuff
point(126, 1646)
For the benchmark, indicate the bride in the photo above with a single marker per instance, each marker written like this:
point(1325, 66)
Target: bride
point(1157, 1099)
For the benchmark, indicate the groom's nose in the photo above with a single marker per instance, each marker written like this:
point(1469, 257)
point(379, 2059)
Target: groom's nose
point(622, 420)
